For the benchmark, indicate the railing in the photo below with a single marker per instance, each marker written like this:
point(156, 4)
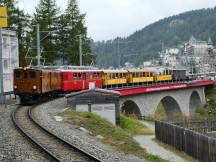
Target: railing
point(195, 144)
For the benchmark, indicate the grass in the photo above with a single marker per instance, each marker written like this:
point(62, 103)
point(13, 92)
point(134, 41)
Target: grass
point(160, 113)
point(182, 154)
point(211, 95)
point(133, 126)
point(121, 138)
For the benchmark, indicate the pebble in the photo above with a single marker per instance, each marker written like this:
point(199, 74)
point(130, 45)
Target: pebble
point(44, 115)
point(13, 146)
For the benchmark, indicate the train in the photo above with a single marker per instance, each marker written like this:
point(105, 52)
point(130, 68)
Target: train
point(32, 83)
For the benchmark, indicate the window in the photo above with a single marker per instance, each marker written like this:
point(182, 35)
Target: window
point(95, 75)
point(25, 75)
point(87, 76)
point(74, 76)
point(17, 74)
point(5, 43)
point(32, 74)
point(80, 76)
point(124, 75)
point(151, 74)
point(5, 65)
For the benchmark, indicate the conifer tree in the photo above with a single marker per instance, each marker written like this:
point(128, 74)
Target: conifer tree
point(47, 17)
point(75, 25)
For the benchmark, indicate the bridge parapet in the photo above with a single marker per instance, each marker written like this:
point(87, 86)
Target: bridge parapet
point(163, 87)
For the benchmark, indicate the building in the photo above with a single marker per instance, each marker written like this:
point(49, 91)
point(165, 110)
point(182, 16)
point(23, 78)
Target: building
point(104, 103)
point(197, 55)
point(9, 59)
point(169, 57)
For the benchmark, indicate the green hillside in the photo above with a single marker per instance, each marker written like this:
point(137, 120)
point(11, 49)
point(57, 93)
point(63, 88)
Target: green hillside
point(147, 42)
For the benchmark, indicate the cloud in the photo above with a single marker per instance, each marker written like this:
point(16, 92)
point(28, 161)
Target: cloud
point(107, 19)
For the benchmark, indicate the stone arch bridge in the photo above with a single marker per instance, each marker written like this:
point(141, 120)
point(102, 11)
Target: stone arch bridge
point(185, 100)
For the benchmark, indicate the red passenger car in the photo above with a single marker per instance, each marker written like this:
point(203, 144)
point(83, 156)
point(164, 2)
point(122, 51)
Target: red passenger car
point(75, 80)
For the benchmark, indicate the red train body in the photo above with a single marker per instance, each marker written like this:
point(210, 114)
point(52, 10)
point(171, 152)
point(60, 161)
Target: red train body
point(74, 80)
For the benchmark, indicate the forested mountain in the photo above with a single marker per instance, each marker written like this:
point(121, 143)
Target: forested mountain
point(147, 42)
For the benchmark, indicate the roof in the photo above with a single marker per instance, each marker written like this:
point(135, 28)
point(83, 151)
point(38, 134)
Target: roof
point(115, 71)
point(80, 71)
point(140, 70)
point(93, 90)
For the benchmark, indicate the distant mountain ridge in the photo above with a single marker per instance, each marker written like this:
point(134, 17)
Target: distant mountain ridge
point(147, 42)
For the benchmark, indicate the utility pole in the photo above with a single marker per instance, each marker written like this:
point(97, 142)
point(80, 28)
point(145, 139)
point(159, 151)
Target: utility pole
point(38, 45)
point(119, 57)
point(1, 67)
point(80, 49)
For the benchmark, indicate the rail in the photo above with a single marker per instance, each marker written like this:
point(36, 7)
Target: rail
point(33, 140)
point(19, 127)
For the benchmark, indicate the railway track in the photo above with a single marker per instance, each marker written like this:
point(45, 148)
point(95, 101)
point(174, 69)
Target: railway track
point(55, 147)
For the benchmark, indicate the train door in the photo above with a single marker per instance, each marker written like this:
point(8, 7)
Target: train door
point(84, 81)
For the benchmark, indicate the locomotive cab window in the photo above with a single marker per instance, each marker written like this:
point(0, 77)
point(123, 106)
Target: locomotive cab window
point(17, 74)
point(25, 75)
point(32, 74)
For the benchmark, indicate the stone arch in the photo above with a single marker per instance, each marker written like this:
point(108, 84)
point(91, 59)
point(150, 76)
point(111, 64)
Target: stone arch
point(194, 102)
point(171, 106)
point(130, 107)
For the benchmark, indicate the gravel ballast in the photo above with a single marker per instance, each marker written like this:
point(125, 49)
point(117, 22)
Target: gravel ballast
point(45, 113)
point(13, 145)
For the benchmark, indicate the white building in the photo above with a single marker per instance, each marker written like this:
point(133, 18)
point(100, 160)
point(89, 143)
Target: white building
point(196, 55)
point(168, 58)
point(9, 59)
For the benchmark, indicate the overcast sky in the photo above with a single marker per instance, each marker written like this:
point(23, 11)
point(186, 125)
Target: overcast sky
point(107, 19)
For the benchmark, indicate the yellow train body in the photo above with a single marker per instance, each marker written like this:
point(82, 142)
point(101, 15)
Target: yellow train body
point(118, 77)
point(114, 77)
point(158, 78)
point(140, 76)
point(142, 79)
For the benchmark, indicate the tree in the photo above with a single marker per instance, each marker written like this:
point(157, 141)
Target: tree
point(18, 21)
point(47, 17)
point(75, 26)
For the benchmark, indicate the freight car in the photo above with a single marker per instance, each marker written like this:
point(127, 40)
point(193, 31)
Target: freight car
point(179, 74)
point(32, 83)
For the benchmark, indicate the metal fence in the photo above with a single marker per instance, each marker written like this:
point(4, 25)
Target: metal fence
point(195, 144)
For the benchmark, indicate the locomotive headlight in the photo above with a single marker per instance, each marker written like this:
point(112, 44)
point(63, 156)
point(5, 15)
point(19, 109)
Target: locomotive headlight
point(34, 87)
point(15, 87)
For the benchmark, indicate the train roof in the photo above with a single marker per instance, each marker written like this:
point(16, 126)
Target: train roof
point(35, 68)
point(79, 71)
point(140, 70)
point(115, 71)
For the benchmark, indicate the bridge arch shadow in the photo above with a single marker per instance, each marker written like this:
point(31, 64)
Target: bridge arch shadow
point(171, 108)
point(195, 102)
point(129, 107)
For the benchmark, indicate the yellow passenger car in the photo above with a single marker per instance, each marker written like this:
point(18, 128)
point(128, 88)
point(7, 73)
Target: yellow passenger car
point(114, 77)
point(140, 76)
point(162, 75)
